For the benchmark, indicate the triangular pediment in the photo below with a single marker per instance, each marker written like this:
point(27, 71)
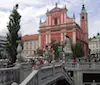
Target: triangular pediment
point(55, 10)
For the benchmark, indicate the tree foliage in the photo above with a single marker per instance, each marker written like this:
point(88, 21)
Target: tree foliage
point(12, 35)
point(54, 44)
point(40, 52)
point(77, 50)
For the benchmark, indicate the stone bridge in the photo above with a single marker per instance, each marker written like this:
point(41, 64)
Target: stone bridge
point(52, 74)
point(84, 73)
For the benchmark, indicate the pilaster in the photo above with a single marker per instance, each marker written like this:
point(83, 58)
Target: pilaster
point(74, 36)
point(46, 39)
point(49, 37)
point(39, 40)
point(63, 33)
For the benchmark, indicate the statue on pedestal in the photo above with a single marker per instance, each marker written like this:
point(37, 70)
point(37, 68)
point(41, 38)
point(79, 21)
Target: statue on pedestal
point(67, 48)
point(19, 51)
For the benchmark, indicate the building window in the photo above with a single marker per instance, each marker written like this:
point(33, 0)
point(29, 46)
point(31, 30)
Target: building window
point(56, 21)
point(26, 45)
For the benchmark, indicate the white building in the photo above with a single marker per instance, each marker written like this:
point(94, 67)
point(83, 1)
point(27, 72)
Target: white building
point(94, 44)
point(31, 43)
point(2, 41)
point(2, 45)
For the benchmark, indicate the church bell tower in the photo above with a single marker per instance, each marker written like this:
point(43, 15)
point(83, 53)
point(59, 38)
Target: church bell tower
point(84, 22)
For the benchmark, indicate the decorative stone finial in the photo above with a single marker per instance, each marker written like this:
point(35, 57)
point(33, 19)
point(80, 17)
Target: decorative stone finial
point(47, 10)
point(74, 16)
point(40, 21)
point(66, 8)
point(56, 4)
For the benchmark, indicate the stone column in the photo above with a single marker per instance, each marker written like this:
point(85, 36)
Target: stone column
point(39, 40)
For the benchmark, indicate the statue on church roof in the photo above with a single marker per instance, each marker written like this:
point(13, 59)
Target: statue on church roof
point(56, 4)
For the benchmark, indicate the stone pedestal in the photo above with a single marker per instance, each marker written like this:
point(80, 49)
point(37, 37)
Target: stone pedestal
point(67, 49)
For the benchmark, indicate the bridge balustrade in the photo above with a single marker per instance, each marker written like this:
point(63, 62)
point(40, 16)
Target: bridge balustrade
point(82, 65)
point(9, 75)
point(45, 75)
point(91, 83)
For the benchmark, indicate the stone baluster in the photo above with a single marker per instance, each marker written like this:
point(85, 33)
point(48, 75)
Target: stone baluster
point(78, 66)
point(93, 65)
point(53, 69)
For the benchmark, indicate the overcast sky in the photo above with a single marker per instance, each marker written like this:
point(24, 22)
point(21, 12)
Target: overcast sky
point(32, 10)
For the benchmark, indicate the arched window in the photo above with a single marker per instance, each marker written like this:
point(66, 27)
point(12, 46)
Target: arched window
point(55, 21)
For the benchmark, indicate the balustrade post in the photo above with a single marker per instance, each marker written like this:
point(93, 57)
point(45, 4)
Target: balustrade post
point(39, 78)
point(53, 69)
point(78, 65)
point(93, 65)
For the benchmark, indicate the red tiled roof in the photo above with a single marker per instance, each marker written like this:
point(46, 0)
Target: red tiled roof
point(30, 37)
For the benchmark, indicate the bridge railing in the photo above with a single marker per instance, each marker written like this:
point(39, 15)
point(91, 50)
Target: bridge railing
point(67, 76)
point(91, 83)
point(32, 79)
point(15, 74)
point(82, 65)
point(9, 75)
point(46, 74)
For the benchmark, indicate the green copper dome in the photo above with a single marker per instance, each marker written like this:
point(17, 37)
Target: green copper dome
point(83, 9)
point(98, 35)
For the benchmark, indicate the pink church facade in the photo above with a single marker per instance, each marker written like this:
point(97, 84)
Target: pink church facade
point(58, 24)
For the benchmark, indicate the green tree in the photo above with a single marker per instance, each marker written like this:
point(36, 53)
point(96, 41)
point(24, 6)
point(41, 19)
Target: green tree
point(77, 50)
point(40, 52)
point(54, 44)
point(12, 35)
